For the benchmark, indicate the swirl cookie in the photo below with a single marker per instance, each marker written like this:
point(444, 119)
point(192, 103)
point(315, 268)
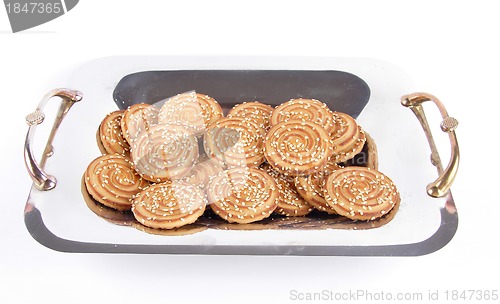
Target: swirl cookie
point(164, 153)
point(304, 110)
point(243, 195)
point(360, 193)
point(290, 202)
point(235, 141)
point(254, 111)
point(110, 136)
point(112, 181)
point(193, 111)
point(137, 119)
point(202, 172)
point(169, 205)
point(211, 109)
point(347, 137)
point(368, 157)
point(297, 147)
point(310, 187)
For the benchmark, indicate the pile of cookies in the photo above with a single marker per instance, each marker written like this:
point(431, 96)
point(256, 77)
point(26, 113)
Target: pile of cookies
point(168, 162)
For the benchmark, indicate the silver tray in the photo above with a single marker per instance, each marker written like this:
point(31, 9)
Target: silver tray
point(58, 217)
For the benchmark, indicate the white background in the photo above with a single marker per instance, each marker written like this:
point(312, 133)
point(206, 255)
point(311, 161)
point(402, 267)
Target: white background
point(449, 48)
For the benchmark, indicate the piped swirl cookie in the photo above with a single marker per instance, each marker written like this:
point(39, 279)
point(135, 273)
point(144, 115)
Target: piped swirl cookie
point(360, 193)
point(110, 136)
point(310, 187)
point(169, 205)
point(297, 147)
point(211, 109)
point(137, 119)
point(290, 202)
point(243, 195)
point(193, 111)
point(254, 111)
point(235, 142)
point(112, 181)
point(164, 153)
point(203, 171)
point(347, 137)
point(304, 110)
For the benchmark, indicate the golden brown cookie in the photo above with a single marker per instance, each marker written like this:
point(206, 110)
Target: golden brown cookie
point(169, 205)
point(368, 157)
point(243, 195)
point(297, 147)
point(360, 193)
point(211, 109)
point(347, 137)
point(290, 202)
point(110, 136)
point(254, 111)
point(193, 111)
point(304, 110)
point(137, 119)
point(310, 187)
point(112, 181)
point(203, 171)
point(165, 152)
point(235, 142)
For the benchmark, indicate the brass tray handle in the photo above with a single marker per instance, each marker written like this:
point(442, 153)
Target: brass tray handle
point(441, 186)
point(41, 179)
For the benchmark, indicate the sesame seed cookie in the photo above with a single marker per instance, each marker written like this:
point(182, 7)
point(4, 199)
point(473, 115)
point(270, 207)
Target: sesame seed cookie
point(112, 181)
point(347, 137)
point(169, 205)
point(297, 147)
point(165, 152)
point(110, 138)
point(193, 111)
point(254, 111)
point(310, 187)
point(290, 202)
point(360, 193)
point(137, 119)
point(235, 142)
point(243, 195)
point(304, 110)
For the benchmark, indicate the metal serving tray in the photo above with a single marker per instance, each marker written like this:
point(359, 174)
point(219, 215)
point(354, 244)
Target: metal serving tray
point(58, 216)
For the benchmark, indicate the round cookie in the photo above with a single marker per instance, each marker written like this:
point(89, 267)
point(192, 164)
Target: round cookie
point(254, 111)
point(290, 202)
point(304, 110)
point(297, 147)
point(203, 171)
point(110, 136)
point(165, 152)
point(310, 187)
point(112, 181)
point(360, 193)
point(169, 205)
point(193, 111)
point(347, 137)
point(138, 119)
point(368, 157)
point(243, 195)
point(211, 109)
point(235, 142)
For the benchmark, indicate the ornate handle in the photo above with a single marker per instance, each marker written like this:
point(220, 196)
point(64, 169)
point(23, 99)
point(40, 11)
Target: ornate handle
point(440, 187)
point(41, 179)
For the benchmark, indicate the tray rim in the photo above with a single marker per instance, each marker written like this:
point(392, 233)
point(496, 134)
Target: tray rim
point(441, 237)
